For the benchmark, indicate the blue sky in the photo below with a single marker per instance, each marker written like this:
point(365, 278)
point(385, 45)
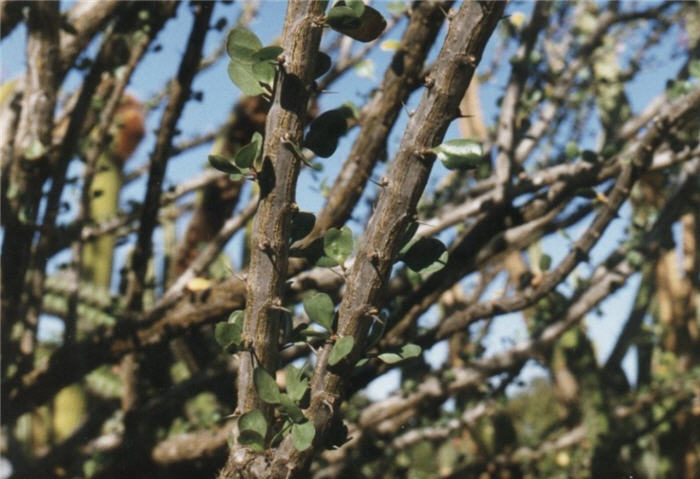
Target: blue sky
point(220, 95)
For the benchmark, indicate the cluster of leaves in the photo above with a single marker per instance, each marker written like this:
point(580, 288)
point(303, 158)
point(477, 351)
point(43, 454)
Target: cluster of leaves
point(252, 66)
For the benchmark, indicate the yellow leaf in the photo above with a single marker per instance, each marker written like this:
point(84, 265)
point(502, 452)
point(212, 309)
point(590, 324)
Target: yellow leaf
point(390, 45)
point(517, 19)
point(198, 284)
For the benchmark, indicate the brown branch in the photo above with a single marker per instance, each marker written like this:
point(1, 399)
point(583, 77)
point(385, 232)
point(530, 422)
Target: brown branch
point(379, 116)
point(86, 18)
point(180, 90)
point(31, 151)
point(636, 160)
point(267, 272)
point(469, 30)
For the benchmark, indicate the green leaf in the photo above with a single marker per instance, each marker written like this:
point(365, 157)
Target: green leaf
point(291, 409)
point(365, 69)
point(319, 307)
point(252, 429)
point(224, 164)
point(589, 156)
point(326, 129)
point(407, 236)
point(264, 72)
point(340, 17)
point(246, 156)
point(410, 351)
point(302, 224)
point(423, 253)
point(253, 421)
point(436, 265)
point(266, 386)
point(35, 150)
point(460, 153)
point(297, 384)
point(242, 44)
point(229, 333)
point(390, 358)
point(243, 77)
point(338, 244)
point(357, 6)
point(268, 54)
point(323, 64)
point(366, 28)
point(252, 439)
point(571, 150)
point(341, 348)
point(303, 435)
point(407, 351)
point(635, 258)
point(545, 262)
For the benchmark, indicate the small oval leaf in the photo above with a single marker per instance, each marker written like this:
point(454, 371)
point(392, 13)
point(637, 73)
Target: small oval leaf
point(242, 44)
point(228, 334)
point(266, 386)
point(252, 429)
point(246, 156)
point(545, 262)
point(302, 224)
point(252, 439)
point(303, 435)
point(410, 351)
point(297, 384)
point(460, 153)
point(319, 307)
point(341, 348)
point(291, 409)
point(253, 421)
point(342, 17)
point(423, 253)
point(338, 244)
point(390, 358)
point(326, 129)
point(243, 77)
point(368, 27)
point(269, 54)
point(224, 164)
point(264, 72)
point(323, 64)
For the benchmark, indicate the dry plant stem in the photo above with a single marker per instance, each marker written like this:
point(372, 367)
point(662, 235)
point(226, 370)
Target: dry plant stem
point(469, 31)
point(488, 225)
point(180, 89)
point(45, 380)
point(379, 116)
point(301, 37)
point(345, 61)
point(87, 17)
point(505, 136)
point(206, 256)
point(61, 370)
point(62, 159)
point(25, 175)
point(636, 162)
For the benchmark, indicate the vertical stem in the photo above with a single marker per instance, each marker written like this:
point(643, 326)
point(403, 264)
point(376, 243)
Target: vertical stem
point(270, 236)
